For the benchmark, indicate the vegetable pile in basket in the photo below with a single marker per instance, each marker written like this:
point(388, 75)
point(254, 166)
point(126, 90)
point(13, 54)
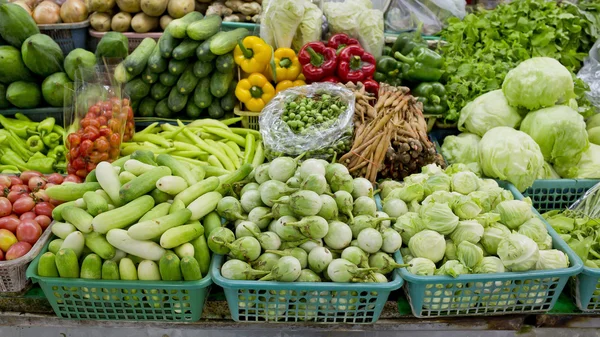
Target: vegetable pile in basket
point(306, 223)
point(452, 223)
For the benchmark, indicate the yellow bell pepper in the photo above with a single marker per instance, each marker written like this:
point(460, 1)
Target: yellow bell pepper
point(252, 54)
point(255, 92)
point(287, 66)
point(281, 86)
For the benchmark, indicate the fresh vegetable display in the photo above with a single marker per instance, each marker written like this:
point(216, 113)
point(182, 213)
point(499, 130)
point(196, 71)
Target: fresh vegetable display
point(310, 113)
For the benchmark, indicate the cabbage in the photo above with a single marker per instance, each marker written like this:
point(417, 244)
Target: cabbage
point(343, 17)
point(559, 131)
point(547, 172)
point(469, 254)
point(451, 250)
point(481, 199)
point(428, 244)
point(463, 148)
point(468, 230)
point(421, 266)
point(492, 236)
point(488, 219)
point(417, 178)
point(512, 155)
point(460, 167)
point(552, 259)
point(464, 182)
point(408, 224)
point(588, 166)
point(280, 20)
point(535, 229)
point(438, 217)
point(371, 31)
point(518, 252)
point(487, 184)
point(547, 244)
point(489, 265)
point(408, 192)
point(487, 112)
point(452, 268)
point(310, 28)
point(442, 197)
point(465, 208)
point(438, 182)
point(538, 82)
point(432, 169)
point(513, 213)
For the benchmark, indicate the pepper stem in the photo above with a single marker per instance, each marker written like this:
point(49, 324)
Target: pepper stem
point(403, 58)
point(256, 92)
point(248, 52)
point(315, 59)
point(435, 99)
point(355, 62)
point(285, 63)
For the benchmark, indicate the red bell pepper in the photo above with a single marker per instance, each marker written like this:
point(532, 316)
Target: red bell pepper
point(355, 64)
point(371, 86)
point(331, 79)
point(341, 41)
point(317, 60)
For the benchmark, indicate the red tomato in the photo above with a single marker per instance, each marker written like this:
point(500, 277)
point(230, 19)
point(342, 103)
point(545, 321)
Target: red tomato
point(14, 180)
point(101, 144)
point(91, 132)
point(104, 156)
point(70, 169)
point(73, 178)
point(86, 147)
point(105, 131)
point(95, 123)
point(86, 121)
point(95, 109)
point(27, 215)
point(5, 207)
point(95, 157)
point(14, 195)
point(102, 121)
point(79, 163)
point(73, 140)
point(5, 180)
point(55, 178)
point(17, 250)
point(24, 204)
point(91, 166)
point(104, 106)
point(43, 220)
point(107, 114)
point(114, 153)
point(74, 153)
point(20, 188)
point(44, 208)
point(36, 183)
point(55, 202)
point(29, 231)
point(129, 113)
point(115, 125)
point(25, 176)
point(42, 195)
point(115, 140)
point(82, 173)
point(10, 222)
point(7, 239)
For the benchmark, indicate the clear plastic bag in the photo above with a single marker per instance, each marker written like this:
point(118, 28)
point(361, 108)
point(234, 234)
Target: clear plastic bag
point(405, 15)
point(279, 139)
point(280, 20)
point(590, 74)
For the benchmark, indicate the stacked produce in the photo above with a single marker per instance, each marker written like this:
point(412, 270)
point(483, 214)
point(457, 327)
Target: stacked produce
point(53, 12)
point(26, 210)
point(305, 223)
point(190, 69)
point(232, 10)
point(27, 145)
point(552, 141)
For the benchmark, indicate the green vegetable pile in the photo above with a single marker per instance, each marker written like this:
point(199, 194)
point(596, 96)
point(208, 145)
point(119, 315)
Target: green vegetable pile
point(483, 47)
point(312, 113)
point(581, 233)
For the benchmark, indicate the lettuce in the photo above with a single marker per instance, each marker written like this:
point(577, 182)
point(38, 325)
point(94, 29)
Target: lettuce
point(280, 20)
point(487, 112)
point(461, 149)
point(310, 28)
point(588, 166)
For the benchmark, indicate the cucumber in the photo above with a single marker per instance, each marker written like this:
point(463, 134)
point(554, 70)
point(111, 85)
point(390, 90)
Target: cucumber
point(136, 62)
point(177, 236)
point(149, 77)
point(119, 254)
point(135, 259)
point(167, 79)
point(190, 269)
point(66, 263)
point(56, 212)
point(177, 168)
point(204, 204)
point(167, 43)
point(202, 69)
point(169, 267)
point(192, 110)
point(162, 109)
point(147, 250)
point(143, 184)
point(219, 83)
point(177, 67)
point(160, 196)
point(229, 101)
point(215, 111)
point(211, 222)
point(109, 180)
point(127, 270)
point(205, 28)
point(91, 268)
point(225, 42)
point(54, 245)
point(178, 27)
point(202, 96)
point(110, 270)
point(188, 81)
point(104, 195)
point(47, 265)
point(91, 177)
point(171, 184)
point(74, 241)
point(63, 229)
point(198, 189)
point(186, 49)
point(225, 63)
point(121, 75)
point(125, 177)
point(157, 63)
point(201, 253)
point(176, 206)
point(137, 167)
point(98, 244)
point(158, 211)
point(123, 216)
point(159, 91)
point(96, 204)
point(203, 52)
point(147, 106)
point(154, 228)
point(81, 219)
point(177, 100)
point(186, 249)
point(79, 203)
point(137, 89)
point(148, 271)
point(144, 156)
point(70, 192)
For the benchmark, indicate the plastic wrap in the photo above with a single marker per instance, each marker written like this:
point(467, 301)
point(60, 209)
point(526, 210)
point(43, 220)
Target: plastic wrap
point(405, 15)
point(590, 74)
point(280, 140)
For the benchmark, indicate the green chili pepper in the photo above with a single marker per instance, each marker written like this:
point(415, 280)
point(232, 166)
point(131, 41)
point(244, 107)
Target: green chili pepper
point(35, 144)
point(9, 169)
point(424, 66)
point(52, 139)
point(57, 152)
point(60, 166)
point(59, 129)
point(45, 126)
point(10, 157)
point(433, 96)
point(39, 162)
point(16, 144)
point(19, 127)
point(22, 117)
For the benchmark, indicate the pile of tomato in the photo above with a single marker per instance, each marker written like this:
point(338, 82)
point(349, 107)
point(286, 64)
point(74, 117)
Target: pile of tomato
point(99, 136)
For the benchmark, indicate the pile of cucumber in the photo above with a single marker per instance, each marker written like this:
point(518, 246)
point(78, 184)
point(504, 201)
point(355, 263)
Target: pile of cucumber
point(189, 72)
point(139, 220)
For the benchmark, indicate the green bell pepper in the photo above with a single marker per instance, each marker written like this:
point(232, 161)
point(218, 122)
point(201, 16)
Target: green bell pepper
point(39, 162)
point(45, 126)
point(388, 71)
point(433, 96)
point(35, 144)
point(52, 139)
point(19, 127)
point(387, 51)
point(406, 42)
point(57, 152)
point(423, 65)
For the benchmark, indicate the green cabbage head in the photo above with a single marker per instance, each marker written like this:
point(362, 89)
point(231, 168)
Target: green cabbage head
point(588, 166)
point(518, 252)
point(464, 182)
point(469, 254)
point(452, 268)
point(489, 265)
point(538, 82)
point(463, 148)
point(487, 112)
point(492, 236)
point(513, 213)
point(408, 224)
point(468, 230)
point(511, 155)
point(421, 266)
point(428, 244)
point(552, 259)
point(535, 229)
point(438, 217)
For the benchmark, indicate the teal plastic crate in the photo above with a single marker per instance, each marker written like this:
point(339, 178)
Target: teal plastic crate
point(491, 294)
point(322, 302)
point(74, 298)
point(548, 195)
point(585, 289)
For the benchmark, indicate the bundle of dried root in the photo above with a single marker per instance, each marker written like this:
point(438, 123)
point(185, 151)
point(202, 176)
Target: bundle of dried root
point(390, 138)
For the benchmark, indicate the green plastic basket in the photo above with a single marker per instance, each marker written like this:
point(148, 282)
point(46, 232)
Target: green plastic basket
point(491, 294)
point(322, 302)
point(548, 195)
point(123, 300)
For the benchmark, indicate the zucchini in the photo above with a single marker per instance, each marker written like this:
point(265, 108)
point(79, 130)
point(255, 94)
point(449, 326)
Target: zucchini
point(159, 91)
point(149, 77)
point(215, 111)
point(171, 184)
point(190, 269)
point(159, 210)
point(109, 180)
point(167, 79)
point(169, 267)
point(136, 62)
point(154, 228)
point(167, 43)
point(127, 270)
point(66, 263)
point(62, 229)
point(54, 245)
point(137, 89)
point(203, 69)
point(97, 243)
point(204, 205)
point(123, 216)
point(205, 28)
point(229, 100)
point(110, 270)
point(162, 109)
point(157, 63)
point(192, 110)
point(146, 108)
point(225, 63)
point(81, 219)
point(148, 271)
point(70, 192)
point(176, 100)
point(203, 52)
point(219, 83)
point(47, 265)
point(202, 96)
point(178, 27)
point(91, 268)
point(177, 67)
point(143, 184)
point(177, 168)
point(147, 250)
point(225, 42)
point(179, 235)
point(74, 241)
point(188, 81)
point(198, 189)
point(187, 48)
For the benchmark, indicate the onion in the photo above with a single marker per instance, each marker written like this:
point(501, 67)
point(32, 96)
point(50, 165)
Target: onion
point(24, 5)
point(339, 235)
point(329, 208)
point(240, 270)
point(319, 258)
point(362, 187)
point(364, 206)
point(307, 275)
point(370, 240)
point(287, 269)
point(73, 11)
point(265, 262)
point(395, 207)
point(311, 166)
point(298, 253)
point(315, 183)
point(250, 200)
point(344, 203)
point(314, 227)
point(46, 13)
point(230, 208)
point(218, 238)
point(246, 248)
point(261, 173)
